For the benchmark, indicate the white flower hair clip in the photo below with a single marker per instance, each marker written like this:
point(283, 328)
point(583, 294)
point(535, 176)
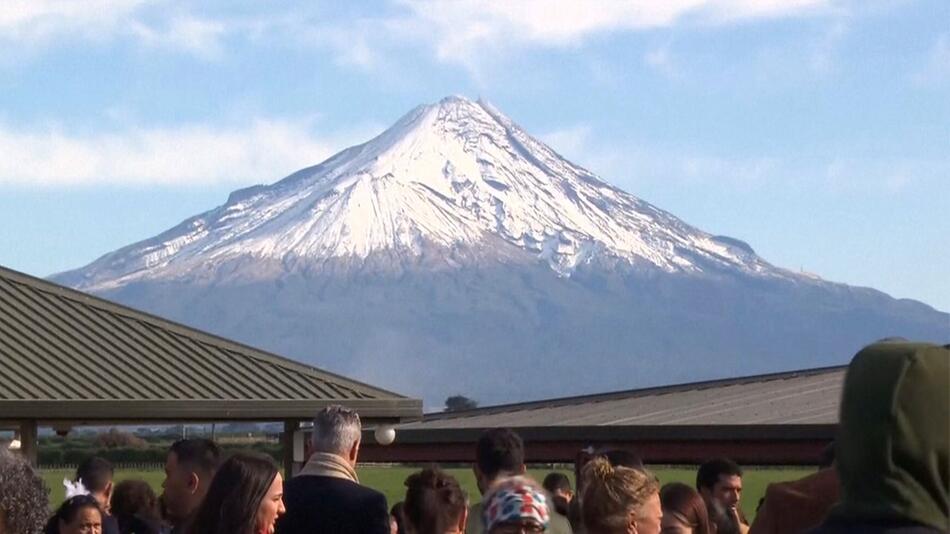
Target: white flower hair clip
point(74, 488)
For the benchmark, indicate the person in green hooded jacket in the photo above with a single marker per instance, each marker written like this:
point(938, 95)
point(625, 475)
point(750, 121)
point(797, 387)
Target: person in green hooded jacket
point(893, 441)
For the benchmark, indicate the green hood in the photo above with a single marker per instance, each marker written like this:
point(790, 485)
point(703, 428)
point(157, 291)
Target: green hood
point(894, 435)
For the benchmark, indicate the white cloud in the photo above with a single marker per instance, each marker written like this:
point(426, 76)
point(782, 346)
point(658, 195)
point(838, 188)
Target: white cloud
point(466, 32)
point(200, 37)
point(462, 29)
point(936, 68)
point(38, 20)
point(262, 151)
point(28, 24)
point(632, 164)
point(661, 60)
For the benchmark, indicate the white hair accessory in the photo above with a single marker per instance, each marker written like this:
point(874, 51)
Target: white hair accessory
point(74, 488)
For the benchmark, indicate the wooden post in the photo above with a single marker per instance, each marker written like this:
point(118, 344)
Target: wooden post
point(287, 446)
point(28, 443)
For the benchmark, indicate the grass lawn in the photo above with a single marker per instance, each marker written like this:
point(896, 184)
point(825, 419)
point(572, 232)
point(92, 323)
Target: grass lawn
point(389, 480)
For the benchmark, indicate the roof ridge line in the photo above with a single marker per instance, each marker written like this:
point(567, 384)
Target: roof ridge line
point(41, 284)
point(629, 393)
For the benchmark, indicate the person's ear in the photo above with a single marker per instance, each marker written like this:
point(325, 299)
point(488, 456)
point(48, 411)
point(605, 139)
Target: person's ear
point(463, 521)
point(632, 524)
point(354, 452)
point(108, 491)
point(193, 482)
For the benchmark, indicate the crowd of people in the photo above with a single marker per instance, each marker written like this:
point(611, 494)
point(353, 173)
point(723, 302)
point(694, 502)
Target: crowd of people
point(890, 474)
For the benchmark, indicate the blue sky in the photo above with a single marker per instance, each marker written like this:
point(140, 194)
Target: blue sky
point(818, 131)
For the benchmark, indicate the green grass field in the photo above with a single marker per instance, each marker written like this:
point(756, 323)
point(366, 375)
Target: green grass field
point(389, 480)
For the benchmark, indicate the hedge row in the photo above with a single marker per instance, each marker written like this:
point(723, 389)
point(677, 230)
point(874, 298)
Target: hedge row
point(153, 455)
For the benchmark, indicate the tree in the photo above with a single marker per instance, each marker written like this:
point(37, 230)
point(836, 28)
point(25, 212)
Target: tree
point(457, 403)
point(114, 439)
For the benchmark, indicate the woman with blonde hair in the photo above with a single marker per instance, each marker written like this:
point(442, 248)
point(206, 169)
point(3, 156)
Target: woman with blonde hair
point(619, 500)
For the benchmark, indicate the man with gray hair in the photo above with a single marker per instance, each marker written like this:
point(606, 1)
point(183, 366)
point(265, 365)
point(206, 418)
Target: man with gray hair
point(326, 496)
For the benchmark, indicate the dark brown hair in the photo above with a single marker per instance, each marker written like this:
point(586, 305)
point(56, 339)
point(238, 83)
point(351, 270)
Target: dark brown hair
point(235, 495)
point(708, 474)
point(198, 454)
point(686, 503)
point(134, 498)
point(434, 501)
point(499, 450)
point(95, 473)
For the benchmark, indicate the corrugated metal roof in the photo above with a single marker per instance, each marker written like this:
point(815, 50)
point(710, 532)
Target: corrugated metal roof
point(58, 345)
point(807, 397)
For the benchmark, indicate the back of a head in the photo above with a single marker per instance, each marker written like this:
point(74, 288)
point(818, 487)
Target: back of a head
point(499, 451)
point(197, 454)
point(555, 482)
point(709, 472)
point(235, 495)
point(95, 474)
point(559, 486)
point(623, 458)
point(23, 496)
point(133, 498)
point(687, 505)
point(434, 502)
point(894, 435)
point(335, 430)
point(612, 493)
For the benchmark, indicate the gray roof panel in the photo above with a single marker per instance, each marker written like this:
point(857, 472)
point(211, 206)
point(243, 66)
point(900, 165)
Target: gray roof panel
point(58, 346)
point(800, 397)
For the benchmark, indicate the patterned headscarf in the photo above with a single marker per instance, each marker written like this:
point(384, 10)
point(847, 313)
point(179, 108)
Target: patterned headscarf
point(515, 499)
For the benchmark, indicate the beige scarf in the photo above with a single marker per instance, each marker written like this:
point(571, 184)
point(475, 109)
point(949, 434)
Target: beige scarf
point(324, 464)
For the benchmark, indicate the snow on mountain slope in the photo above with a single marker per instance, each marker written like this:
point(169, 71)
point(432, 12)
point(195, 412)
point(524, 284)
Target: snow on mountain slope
point(453, 176)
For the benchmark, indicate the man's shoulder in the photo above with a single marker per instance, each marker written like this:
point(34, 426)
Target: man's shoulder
point(311, 483)
point(559, 524)
point(474, 525)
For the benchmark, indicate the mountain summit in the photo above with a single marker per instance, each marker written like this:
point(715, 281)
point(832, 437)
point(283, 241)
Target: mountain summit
point(450, 183)
point(456, 254)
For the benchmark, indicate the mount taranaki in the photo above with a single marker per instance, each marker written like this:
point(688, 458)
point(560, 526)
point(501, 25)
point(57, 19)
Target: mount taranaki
point(455, 253)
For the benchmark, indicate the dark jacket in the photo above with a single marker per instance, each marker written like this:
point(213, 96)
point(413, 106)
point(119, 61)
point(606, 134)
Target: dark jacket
point(327, 505)
point(109, 525)
point(798, 505)
point(893, 440)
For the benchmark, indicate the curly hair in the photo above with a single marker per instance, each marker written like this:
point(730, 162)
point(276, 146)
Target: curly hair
point(611, 493)
point(24, 499)
point(134, 498)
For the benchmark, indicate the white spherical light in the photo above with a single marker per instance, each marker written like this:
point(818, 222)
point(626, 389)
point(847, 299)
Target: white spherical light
point(385, 435)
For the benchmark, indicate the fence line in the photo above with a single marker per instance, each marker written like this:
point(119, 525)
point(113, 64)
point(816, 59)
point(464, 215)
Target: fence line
point(133, 466)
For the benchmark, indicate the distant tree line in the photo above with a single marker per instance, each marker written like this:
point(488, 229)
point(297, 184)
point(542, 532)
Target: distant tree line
point(123, 448)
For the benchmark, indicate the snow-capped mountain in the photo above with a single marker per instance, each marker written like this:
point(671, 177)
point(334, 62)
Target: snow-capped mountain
point(454, 253)
point(449, 182)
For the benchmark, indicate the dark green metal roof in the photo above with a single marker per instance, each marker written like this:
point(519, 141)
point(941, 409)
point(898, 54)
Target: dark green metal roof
point(68, 355)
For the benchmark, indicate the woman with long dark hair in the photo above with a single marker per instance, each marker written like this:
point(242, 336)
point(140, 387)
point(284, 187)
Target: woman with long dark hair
point(245, 497)
point(684, 511)
point(77, 515)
